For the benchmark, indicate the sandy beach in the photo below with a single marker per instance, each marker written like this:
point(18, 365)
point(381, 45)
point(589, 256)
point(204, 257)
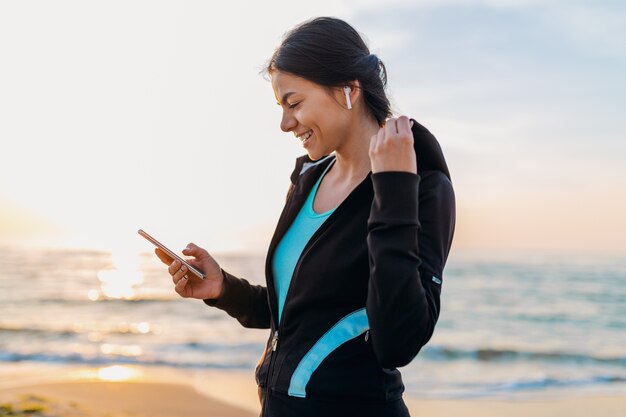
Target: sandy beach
point(77, 399)
point(228, 393)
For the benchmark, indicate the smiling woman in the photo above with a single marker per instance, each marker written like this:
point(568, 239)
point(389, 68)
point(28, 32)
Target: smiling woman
point(355, 267)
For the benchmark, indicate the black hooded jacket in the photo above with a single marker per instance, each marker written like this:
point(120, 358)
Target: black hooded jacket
point(364, 296)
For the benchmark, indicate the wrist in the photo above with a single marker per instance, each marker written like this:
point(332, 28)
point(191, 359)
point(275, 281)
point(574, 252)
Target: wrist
point(221, 284)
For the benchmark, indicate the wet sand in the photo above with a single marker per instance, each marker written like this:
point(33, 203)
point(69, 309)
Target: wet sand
point(233, 394)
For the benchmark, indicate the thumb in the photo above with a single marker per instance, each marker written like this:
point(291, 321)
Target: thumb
point(192, 250)
point(195, 263)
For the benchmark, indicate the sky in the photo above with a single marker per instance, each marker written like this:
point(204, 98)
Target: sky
point(122, 115)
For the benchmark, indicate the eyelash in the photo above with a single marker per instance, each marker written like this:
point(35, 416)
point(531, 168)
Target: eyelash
point(293, 106)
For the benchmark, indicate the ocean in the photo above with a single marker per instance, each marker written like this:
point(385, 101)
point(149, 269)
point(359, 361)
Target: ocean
point(508, 328)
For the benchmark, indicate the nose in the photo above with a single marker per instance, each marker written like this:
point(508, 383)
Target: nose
point(288, 122)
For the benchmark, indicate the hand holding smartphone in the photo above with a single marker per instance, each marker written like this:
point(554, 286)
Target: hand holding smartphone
point(171, 254)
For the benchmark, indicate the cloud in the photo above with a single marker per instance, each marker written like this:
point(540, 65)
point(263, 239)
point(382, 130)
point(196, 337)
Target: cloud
point(519, 68)
point(526, 102)
point(598, 27)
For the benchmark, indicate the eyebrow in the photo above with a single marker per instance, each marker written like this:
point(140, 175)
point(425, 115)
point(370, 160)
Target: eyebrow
point(285, 97)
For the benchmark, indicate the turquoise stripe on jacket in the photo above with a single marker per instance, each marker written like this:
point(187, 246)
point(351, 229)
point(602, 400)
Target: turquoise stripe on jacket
point(349, 327)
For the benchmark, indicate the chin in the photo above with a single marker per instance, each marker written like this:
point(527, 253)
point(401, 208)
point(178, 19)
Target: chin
point(314, 156)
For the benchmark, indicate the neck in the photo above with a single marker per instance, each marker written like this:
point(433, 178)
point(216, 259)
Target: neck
point(353, 161)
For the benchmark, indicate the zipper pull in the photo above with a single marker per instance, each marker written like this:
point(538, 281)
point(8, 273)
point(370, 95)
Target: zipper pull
point(367, 335)
point(275, 341)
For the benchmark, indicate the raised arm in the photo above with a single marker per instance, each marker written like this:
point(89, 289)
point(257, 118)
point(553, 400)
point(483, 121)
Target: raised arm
point(410, 231)
point(409, 239)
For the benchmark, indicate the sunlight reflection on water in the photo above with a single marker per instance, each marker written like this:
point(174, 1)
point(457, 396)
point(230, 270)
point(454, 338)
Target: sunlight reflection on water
point(118, 373)
point(119, 282)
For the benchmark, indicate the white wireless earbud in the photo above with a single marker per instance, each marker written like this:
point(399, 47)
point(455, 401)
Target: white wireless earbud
point(347, 91)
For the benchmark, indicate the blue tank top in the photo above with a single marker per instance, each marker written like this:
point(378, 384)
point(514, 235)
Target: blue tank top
point(293, 242)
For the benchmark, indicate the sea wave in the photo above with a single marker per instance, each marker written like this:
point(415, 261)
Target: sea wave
point(103, 299)
point(86, 302)
point(106, 360)
point(67, 332)
point(527, 385)
point(472, 389)
point(445, 353)
point(452, 388)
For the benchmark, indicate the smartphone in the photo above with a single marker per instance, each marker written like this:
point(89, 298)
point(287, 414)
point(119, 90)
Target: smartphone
point(171, 254)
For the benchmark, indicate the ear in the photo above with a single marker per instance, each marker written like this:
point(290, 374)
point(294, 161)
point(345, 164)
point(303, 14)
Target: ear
point(355, 92)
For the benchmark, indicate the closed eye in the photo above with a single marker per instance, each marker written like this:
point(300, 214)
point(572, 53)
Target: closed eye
point(293, 106)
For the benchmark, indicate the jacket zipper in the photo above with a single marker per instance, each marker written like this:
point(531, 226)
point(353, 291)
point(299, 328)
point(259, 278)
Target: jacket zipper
point(268, 376)
point(275, 339)
point(270, 369)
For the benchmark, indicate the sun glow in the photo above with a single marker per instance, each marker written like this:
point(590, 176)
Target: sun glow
point(117, 373)
point(120, 281)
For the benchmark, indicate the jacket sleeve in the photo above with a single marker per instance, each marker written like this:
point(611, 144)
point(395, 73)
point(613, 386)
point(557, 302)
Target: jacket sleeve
point(243, 301)
point(410, 231)
point(249, 304)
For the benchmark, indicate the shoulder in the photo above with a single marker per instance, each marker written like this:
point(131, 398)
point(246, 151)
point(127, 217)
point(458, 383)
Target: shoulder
point(436, 198)
point(428, 151)
point(436, 182)
point(436, 193)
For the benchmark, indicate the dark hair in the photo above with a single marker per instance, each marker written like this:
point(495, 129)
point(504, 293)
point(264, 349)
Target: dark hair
point(330, 52)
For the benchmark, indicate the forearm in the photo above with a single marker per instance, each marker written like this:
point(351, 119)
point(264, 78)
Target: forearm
point(243, 301)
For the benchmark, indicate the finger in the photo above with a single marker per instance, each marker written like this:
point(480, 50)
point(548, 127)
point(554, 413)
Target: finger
point(391, 129)
point(180, 286)
point(165, 258)
point(195, 263)
point(404, 126)
point(174, 267)
point(182, 272)
point(193, 250)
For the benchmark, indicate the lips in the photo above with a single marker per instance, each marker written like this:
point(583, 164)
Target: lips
point(304, 136)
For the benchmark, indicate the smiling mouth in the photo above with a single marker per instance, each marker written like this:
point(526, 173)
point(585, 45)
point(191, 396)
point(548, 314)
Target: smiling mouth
point(305, 136)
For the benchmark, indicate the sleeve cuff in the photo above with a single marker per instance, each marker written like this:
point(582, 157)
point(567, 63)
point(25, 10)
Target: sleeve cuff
point(220, 300)
point(395, 197)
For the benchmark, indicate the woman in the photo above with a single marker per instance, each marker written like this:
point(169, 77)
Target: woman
point(355, 266)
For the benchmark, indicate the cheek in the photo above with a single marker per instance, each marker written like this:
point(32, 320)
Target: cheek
point(322, 117)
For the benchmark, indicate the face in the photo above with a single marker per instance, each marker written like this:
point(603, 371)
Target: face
point(311, 112)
